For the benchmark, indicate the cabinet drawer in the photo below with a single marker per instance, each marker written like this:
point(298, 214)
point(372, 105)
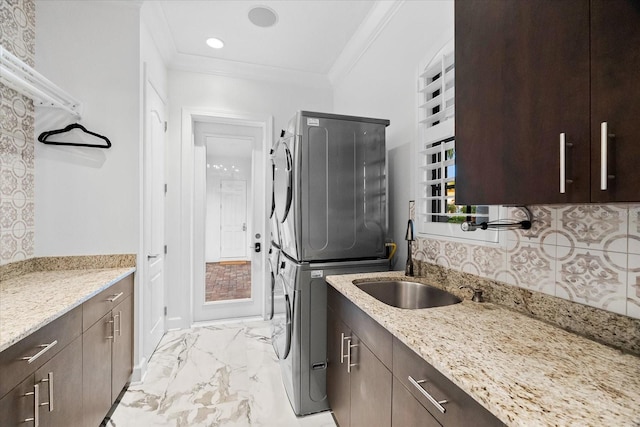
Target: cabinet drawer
point(101, 304)
point(376, 337)
point(407, 411)
point(39, 347)
point(460, 408)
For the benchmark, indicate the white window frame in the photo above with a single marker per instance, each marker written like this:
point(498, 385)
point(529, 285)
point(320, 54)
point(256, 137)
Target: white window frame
point(428, 134)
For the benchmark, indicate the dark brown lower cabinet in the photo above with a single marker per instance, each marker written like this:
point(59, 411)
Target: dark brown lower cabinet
point(107, 361)
point(50, 396)
point(70, 371)
point(122, 354)
point(379, 381)
point(60, 380)
point(358, 383)
point(407, 411)
point(371, 384)
point(18, 407)
point(338, 390)
point(96, 371)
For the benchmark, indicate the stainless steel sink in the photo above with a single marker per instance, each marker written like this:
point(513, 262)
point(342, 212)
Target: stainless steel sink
point(403, 294)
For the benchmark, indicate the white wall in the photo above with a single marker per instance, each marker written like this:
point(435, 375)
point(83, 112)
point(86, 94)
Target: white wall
point(88, 200)
point(204, 92)
point(383, 84)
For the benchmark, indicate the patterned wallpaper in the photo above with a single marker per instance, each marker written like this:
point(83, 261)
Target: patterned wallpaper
point(588, 254)
point(17, 35)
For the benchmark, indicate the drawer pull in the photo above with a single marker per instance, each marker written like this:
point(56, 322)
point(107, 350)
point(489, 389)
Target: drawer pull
point(45, 348)
point(115, 297)
point(36, 403)
point(437, 403)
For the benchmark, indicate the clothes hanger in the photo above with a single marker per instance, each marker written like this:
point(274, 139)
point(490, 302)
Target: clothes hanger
point(44, 135)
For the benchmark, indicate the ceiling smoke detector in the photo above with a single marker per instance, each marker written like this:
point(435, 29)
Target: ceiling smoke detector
point(263, 16)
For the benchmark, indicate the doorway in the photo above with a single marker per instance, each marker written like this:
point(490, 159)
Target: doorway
point(229, 217)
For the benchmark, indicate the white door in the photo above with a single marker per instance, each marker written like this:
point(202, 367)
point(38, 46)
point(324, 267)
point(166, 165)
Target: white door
point(233, 219)
point(241, 215)
point(154, 207)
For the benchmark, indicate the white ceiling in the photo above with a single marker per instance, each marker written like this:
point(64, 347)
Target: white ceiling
point(314, 41)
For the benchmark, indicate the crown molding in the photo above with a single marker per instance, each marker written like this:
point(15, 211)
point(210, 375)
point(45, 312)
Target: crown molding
point(242, 70)
point(373, 24)
point(368, 31)
point(155, 20)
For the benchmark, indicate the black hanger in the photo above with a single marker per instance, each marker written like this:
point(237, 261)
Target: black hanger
point(44, 135)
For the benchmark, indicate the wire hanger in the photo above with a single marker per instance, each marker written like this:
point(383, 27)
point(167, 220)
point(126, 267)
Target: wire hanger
point(44, 135)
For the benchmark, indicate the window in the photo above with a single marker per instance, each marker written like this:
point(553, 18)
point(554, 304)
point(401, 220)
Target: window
point(436, 209)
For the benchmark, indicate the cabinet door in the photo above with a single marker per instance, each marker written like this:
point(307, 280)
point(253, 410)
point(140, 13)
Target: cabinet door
point(96, 371)
point(522, 79)
point(60, 383)
point(407, 411)
point(17, 408)
point(337, 377)
point(370, 388)
point(122, 362)
point(615, 97)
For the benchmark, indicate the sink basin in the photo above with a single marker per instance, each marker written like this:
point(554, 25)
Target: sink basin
point(403, 294)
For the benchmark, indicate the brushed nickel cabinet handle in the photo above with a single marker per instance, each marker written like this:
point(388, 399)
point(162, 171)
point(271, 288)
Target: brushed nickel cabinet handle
point(49, 380)
point(115, 297)
point(342, 340)
point(437, 403)
point(349, 347)
point(36, 406)
point(119, 317)
point(604, 156)
point(45, 348)
point(113, 328)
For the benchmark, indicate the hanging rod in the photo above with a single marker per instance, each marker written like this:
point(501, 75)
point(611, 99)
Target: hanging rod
point(21, 77)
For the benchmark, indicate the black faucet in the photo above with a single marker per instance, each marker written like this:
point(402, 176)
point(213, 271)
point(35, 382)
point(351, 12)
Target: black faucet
point(408, 270)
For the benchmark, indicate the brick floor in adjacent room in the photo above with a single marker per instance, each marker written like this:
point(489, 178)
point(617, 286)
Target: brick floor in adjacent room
point(228, 280)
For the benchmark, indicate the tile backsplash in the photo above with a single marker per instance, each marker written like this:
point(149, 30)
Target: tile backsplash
point(589, 254)
point(17, 35)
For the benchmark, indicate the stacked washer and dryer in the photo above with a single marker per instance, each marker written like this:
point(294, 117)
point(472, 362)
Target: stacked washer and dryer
point(330, 215)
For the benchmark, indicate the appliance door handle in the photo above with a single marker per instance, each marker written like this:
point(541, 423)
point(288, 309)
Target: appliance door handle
point(273, 292)
point(288, 327)
point(289, 183)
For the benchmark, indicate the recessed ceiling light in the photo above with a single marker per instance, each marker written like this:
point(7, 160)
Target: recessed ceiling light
point(263, 16)
point(215, 43)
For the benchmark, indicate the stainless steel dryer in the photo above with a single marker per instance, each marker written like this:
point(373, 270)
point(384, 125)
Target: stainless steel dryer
point(300, 333)
point(329, 187)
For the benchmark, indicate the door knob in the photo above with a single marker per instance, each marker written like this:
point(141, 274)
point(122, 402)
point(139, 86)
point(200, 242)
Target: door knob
point(257, 247)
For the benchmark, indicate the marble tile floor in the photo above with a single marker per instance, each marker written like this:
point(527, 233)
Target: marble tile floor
point(222, 375)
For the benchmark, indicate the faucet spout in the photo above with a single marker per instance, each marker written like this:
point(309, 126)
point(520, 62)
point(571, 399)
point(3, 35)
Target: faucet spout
point(408, 271)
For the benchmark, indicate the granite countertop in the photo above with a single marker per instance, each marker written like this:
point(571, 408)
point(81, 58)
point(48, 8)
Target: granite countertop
point(526, 372)
point(32, 300)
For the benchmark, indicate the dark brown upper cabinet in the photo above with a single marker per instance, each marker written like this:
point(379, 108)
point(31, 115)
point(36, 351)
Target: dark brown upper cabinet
point(533, 77)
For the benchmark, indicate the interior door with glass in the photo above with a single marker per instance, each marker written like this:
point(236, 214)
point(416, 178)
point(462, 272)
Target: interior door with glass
point(230, 213)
